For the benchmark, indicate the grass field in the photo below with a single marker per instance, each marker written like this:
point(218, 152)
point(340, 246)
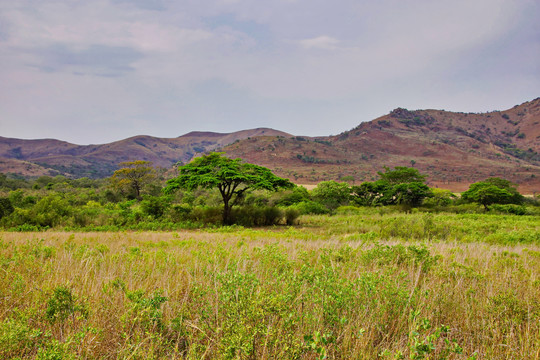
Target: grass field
point(363, 284)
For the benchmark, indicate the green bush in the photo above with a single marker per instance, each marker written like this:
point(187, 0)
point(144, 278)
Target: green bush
point(155, 206)
point(291, 214)
point(207, 214)
point(257, 215)
point(17, 339)
point(6, 207)
point(509, 209)
point(310, 207)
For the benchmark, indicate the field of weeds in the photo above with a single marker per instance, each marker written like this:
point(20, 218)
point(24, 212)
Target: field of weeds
point(355, 285)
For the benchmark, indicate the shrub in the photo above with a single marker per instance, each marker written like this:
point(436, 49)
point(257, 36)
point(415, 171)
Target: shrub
point(6, 207)
point(155, 206)
point(509, 209)
point(257, 215)
point(310, 207)
point(207, 214)
point(63, 304)
point(18, 339)
point(291, 214)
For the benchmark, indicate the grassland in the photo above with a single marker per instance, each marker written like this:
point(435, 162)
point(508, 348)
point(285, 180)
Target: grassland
point(362, 284)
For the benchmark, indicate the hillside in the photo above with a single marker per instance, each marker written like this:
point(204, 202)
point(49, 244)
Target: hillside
point(454, 149)
point(53, 157)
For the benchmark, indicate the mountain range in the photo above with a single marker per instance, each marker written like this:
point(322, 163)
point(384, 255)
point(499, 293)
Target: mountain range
point(453, 148)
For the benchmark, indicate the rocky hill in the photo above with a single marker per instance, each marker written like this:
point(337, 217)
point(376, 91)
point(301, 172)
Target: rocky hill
point(454, 149)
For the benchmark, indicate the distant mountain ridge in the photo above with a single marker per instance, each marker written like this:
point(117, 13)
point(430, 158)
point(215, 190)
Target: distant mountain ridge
point(453, 148)
point(53, 157)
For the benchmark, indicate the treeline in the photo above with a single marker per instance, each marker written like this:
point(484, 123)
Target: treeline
point(134, 199)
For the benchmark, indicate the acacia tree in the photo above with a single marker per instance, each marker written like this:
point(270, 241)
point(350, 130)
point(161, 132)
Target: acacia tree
point(401, 174)
point(492, 191)
point(232, 177)
point(133, 176)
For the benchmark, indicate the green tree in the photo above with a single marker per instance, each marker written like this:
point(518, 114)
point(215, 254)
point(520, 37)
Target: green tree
point(517, 198)
point(403, 185)
point(372, 193)
point(486, 193)
point(411, 194)
point(441, 197)
point(349, 179)
point(133, 177)
point(332, 194)
point(401, 174)
point(232, 177)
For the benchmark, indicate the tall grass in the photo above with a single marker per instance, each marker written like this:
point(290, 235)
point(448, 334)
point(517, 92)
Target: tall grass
point(342, 287)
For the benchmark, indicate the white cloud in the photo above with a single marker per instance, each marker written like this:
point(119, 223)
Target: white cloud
point(320, 42)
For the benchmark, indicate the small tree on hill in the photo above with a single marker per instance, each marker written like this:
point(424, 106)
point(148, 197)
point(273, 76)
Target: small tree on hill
point(401, 174)
point(232, 177)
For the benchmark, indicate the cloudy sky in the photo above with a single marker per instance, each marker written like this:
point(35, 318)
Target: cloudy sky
point(103, 70)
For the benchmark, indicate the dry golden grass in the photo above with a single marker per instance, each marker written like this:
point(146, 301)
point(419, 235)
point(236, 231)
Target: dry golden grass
point(255, 294)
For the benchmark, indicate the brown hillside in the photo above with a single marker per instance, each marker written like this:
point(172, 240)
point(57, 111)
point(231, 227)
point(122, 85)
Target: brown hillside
point(58, 157)
point(454, 149)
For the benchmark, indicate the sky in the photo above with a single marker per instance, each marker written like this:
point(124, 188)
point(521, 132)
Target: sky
point(103, 70)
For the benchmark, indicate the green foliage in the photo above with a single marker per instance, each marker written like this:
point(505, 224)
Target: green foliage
point(231, 177)
point(492, 191)
point(402, 186)
point(131, 179)
point(291, 214)
point(257, 215)
point(6, 207)
point(372, 193)
point(310, 207)
point(18, 339)
point(290, 197)
point(425, 343)
point(146, 311)
point(411, 194)
point(440, 197)
point(509, 209)
point(48, 212)
point(401, 174)
point(63, 304)
point(155, 206)
point(331, 194)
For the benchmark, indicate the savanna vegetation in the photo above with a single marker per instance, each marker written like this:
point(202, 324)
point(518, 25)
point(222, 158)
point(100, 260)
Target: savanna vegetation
point(391, 269)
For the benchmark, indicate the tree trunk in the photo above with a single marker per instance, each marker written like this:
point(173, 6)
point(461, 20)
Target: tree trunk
point(226, 212)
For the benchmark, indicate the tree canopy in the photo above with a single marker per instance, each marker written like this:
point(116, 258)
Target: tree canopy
point(332, 194)
point(402, 185)
point(401, 175)
point(133, 176)
point(232, 177)
point(492, 191)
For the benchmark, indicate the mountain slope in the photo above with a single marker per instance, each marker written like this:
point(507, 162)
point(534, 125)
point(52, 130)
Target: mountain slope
point(58, 157)
point(454, 149)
